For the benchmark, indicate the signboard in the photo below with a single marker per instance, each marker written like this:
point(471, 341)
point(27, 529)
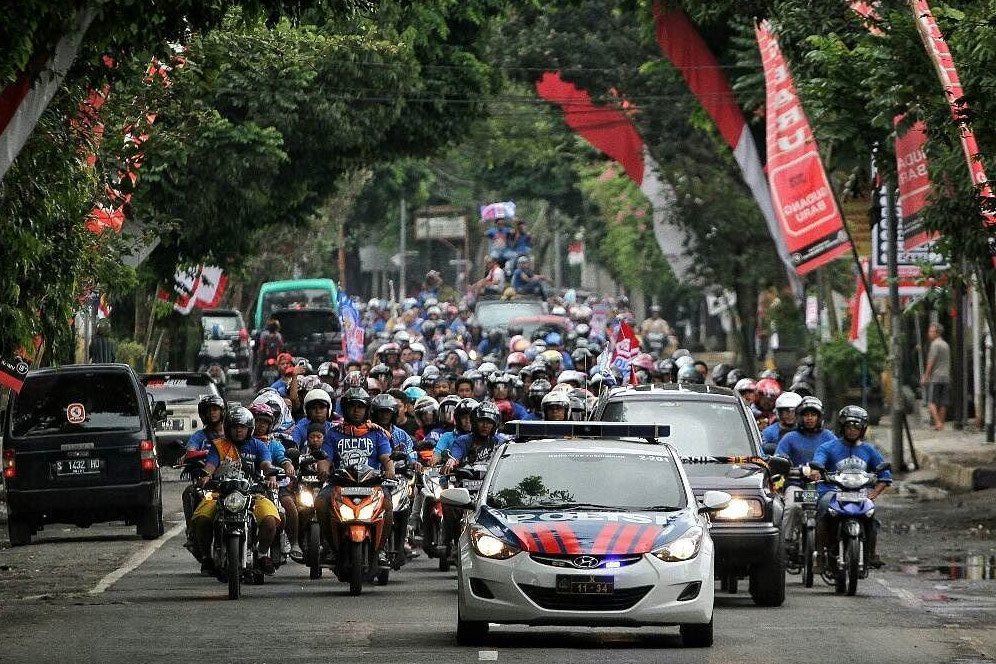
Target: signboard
point(441, 228)
point(909, 261)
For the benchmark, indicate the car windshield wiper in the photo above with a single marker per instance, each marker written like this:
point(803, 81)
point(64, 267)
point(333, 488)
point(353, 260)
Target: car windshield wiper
point(657, 508)
point(586, 506)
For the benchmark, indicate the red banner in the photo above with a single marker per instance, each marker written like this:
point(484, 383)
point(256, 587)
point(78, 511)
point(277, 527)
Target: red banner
point(804, 203)
point(914, 182)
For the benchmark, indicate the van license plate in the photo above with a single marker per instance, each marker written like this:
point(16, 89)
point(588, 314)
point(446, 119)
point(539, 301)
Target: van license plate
point(173, 425)
point(77, 466)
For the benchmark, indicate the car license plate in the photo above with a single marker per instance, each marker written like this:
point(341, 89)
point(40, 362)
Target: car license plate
point(77, 466)
point(808, 496)
point(357, 490)
point(850, 497)
point(173, 425)
point(570, 584)
point(472, 485)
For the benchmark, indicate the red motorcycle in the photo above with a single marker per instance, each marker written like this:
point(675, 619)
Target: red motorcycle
point(358, 512)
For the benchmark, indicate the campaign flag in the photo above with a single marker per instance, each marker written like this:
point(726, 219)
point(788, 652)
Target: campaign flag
point(861, 313)
point(609, 129)
point(682, 44)
point(914, 182)
point(352, 329)
point(198, 286)
point(13, 372)
point(804, 203)
point(625, 346)
point(940, 55)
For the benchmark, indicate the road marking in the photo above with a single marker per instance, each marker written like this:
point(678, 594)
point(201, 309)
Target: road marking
point(487, 655)
point(906, 596)
point(136, 559)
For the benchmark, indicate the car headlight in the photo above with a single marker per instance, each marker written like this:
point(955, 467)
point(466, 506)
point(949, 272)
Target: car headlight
point(685, 547)
point(346, 513)
point(235, 501)
point(305, 498)
point(741, 509)
point(366, 512)
point(488, 546)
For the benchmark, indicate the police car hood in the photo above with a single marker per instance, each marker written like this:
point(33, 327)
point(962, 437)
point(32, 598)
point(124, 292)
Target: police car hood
point(579, 532)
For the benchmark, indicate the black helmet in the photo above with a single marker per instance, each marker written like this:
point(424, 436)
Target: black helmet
point(486, 410)
point(384, 402)
point(666, 369)
point(812, 404)
point(540, 388)
point(207, 401)
point(689, 375)
point(802, 389)
point(853, 415)
point(447, 407)
point(353, 379)
point(239, 416)
point(719, 373)
point(355, 395)
point(381, 371)
point(464, 407)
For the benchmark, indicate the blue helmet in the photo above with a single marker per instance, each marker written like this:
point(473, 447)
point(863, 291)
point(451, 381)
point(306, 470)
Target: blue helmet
point(553, 339)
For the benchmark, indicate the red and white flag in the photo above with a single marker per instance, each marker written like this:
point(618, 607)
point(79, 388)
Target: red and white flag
point(804, 203)
point(610, 130)
point(861, 313)
point(196, 287)
point(625, 346)
point(687, 51)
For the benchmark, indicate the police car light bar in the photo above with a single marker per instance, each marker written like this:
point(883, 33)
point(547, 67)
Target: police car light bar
point(522, 429)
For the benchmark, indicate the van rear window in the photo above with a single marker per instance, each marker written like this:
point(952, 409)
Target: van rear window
point(58, 404)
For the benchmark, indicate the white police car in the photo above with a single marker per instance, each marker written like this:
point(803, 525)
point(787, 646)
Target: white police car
point(580, 526)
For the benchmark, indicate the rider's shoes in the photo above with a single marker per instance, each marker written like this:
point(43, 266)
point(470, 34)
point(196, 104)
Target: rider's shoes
point(875, 562)
point(266, 564)
point(296, 554)
point(207, 566)
point(382, 560)
point(328, 557)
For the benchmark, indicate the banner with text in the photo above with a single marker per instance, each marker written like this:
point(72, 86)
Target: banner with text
point(804, 203)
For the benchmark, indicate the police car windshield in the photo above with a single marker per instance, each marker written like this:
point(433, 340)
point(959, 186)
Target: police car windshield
point(587, 480)
point(698, 428)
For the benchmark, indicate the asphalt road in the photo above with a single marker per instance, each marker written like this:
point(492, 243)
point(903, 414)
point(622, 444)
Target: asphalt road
point(108, 596)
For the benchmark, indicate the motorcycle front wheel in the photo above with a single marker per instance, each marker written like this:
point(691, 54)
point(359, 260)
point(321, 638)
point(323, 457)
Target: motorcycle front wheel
point(356, 569)
point(808, 556)
point(852, 563)
point(314, 559)
point(233, 561)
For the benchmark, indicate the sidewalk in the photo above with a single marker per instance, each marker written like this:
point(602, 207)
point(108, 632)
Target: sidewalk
point(961, 460)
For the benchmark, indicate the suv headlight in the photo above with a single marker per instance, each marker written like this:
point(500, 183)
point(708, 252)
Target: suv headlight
point(235, 501)
point(488, 546)
point(741, 509)
point(685, 547)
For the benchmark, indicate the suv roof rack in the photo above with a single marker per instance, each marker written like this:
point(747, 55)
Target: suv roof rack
point(531, 429)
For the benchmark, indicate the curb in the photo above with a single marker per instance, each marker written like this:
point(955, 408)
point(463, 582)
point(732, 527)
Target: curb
point(960, 477)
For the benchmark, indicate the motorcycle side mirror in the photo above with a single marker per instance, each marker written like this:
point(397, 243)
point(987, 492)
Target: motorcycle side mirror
point(779, 465)
point(457, 498)
point(882, 467)
point(818, 467)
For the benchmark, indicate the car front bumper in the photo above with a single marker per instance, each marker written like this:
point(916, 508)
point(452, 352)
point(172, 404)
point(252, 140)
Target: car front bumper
point(521, 590)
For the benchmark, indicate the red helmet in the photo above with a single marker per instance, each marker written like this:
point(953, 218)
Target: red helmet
point(644, 361)
point(769, 387)
point(516, 358)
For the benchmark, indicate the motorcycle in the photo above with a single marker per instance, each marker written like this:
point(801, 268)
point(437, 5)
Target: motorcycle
point(470, 477)
point(234, 543)
point(799, 525)
point(358, 522)
point(656, 342)
point(853, 515)
point(402, 496)
point(430, 518)
point(309, 531)
point(191, 467)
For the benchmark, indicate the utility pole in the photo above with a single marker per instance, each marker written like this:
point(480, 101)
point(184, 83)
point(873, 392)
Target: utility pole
point(557, 249)
point(403, 244)
point(896, 354)
point(342, 255)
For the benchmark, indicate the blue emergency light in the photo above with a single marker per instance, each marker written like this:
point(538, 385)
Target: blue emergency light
point(523, 429)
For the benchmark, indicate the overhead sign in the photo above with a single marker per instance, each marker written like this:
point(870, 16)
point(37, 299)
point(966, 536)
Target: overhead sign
point(441, 228)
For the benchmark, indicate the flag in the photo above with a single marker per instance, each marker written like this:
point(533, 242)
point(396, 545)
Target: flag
point(625, 346)
point(610, 130)
point(914, 182)
point(861, 313)
point(804, 203)
point(13, 372)
point(352, 329)
point(196, 287)
point(688, 53)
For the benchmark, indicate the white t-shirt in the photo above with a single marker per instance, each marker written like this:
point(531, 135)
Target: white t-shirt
point(497, 277)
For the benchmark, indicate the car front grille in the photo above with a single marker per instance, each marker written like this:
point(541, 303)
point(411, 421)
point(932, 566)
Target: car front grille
point(619, 600)
point(567, 561)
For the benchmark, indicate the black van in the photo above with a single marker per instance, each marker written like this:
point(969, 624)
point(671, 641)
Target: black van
point(79, 447)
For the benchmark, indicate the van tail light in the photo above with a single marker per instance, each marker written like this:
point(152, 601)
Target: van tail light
point(147, 453)
point(9, 465)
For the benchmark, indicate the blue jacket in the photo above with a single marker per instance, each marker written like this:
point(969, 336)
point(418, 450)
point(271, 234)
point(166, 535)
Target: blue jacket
point(300, 432)
point(400, 438)
point(770, 437)
point(253, 450)
point(800, 447)
point(201, 439)
point(464, 445)
point(446, 441)
point(368, 440)
point(836, 455)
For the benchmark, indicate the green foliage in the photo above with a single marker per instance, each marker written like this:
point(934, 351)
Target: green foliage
point(841, 363)
point(132, 353)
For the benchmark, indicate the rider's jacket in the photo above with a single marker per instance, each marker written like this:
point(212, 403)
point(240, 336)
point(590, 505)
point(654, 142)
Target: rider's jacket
point(282, 387)
point(799, 447)
point(446, 440)
point(772, 435)
point(300, 432)
point(252, 450)
point(468, 449)
point(367, 440)
point(432, 435)
point(201, 439)
point(836, 455)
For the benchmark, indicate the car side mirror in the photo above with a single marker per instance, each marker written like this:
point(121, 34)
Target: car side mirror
point(458, 498)
point(159, 411)
point(714, 501)
point(779, 465)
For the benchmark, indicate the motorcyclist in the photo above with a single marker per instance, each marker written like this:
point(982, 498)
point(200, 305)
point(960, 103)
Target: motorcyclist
point(799, 446)
point(785, 406)
point(500, 391)
point(317, 408)
point(211, 411)
point(461, 420)
point(384, 410)
point(848, 451)
point(356, 436)
point(427, 415)
point(479, 444)
point(745, 387)
point(689, 375)
point(237, 445)
point(286, 385)
point(766, 391)
point(269, 345)
point(537, 390)
point(556, 406)
point(263, 418)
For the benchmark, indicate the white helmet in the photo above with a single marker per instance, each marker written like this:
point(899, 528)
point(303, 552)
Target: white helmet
point(417, 348)
point(744, 384)
point(488, 368)
point(789, 400)
point(412, 381)
point(558, 311)
point(317, 395)
point(684, 360)
point(570, 376)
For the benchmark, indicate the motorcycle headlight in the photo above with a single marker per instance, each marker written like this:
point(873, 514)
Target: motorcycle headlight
point(366, 512)
point(488, 546)
point(741, 509)
point(305, 498)
point(235, 501)
point(685, 547)
point(346, 513)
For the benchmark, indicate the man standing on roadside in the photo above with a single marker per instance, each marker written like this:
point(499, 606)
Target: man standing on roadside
point(937, 375)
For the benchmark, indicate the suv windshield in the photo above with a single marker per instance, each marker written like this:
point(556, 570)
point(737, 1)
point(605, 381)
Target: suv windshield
point(498, 313)
point(560, 480)
point(302, 325)
point(60, 403)
point(698, 428)
point(185, 390)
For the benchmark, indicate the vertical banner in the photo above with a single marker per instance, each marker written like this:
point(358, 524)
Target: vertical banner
point(625, 346)
point(13, 371)
point(861, 313)
point(688, 53)
point(804, 203)
point(940, 55)
point(352, 329)
point(914, 182)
